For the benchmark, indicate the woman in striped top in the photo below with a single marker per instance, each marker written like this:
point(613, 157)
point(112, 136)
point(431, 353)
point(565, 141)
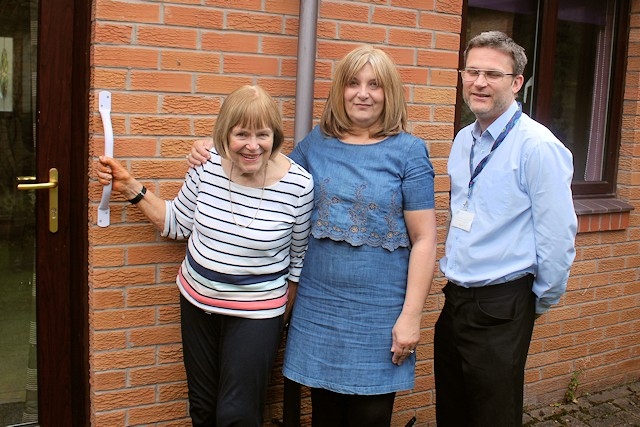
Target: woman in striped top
point(246, 214)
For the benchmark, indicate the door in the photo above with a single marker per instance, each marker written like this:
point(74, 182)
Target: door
point(43, 241)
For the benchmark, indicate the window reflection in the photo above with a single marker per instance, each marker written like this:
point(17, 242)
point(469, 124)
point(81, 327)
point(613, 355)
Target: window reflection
point(580, 76)
point(581, 82)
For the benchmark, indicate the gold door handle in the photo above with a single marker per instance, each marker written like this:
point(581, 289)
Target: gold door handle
point(52, 186)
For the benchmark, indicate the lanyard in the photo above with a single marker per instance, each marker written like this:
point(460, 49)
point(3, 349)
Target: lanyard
point(474, 173)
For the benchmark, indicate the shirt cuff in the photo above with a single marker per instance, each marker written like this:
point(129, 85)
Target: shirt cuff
point(541, 308)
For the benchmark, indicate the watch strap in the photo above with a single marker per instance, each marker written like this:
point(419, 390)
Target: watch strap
point(140, 195)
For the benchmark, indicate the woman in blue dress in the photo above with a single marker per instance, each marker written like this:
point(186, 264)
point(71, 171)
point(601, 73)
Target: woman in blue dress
point(371, 256)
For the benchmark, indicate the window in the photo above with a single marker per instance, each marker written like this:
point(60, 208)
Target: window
point(574, 80)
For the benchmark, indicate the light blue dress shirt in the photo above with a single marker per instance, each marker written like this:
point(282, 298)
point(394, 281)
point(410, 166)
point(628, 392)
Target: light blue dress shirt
point(523, 215)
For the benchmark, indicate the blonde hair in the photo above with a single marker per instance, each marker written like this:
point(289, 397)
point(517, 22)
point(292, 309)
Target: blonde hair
point(250, 107)
point(335, 120)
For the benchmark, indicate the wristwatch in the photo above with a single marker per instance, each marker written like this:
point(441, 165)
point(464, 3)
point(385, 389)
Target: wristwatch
point(139, 197)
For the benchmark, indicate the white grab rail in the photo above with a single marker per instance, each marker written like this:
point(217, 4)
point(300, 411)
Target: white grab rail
point(105, 114)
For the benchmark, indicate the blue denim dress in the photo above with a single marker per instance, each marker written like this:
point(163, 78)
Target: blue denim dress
point(354, 277)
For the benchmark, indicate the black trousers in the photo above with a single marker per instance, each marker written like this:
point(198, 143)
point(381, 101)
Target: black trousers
point(331, 409)
point(228, 361)
point(480, 349)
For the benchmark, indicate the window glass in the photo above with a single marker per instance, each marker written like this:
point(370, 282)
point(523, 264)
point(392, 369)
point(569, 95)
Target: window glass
point(581, 82)
point(570, 90)
point(516, 18)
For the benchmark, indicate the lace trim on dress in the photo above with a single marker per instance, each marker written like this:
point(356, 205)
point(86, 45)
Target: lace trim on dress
point(357, 230)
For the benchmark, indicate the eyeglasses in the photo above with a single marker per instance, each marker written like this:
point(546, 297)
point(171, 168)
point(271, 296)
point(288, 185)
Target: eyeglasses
point(491, 76)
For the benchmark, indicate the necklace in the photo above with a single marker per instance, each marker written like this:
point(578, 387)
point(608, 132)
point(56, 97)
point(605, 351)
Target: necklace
point(233, 216)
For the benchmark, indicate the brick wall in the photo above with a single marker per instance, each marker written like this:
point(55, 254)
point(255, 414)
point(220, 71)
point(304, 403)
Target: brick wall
point(169, 65)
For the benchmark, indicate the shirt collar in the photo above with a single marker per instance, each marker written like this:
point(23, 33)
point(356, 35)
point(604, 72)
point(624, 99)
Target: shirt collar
point(498, 124)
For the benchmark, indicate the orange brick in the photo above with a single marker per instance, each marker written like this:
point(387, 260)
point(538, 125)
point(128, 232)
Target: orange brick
point(134, 147)
point(151, 35)
point(175, 391)
point(122, 359)
point(440, 22)
point(168, 314)
point(240, 64)
point(412, 4)
point(199, 17)
point(129, 57)
point(108, 340)
point(236, 4)
point(434, 95)
point(442, 77)
point(280, 45)
point(449, 6)
point(362, 33)
point(327, 30)
point(111, 380)
point(447, 41)
point(157, 413)
point(285, 87)
point(123, 234)
point(229, 42)
point(160, 81)
point(434, 132)
point(347, 11)
point(126, 398)
point(113, 33)
point(109, 79)
point(109, 419)
point(105, 298)
point(220, 84)
point(116, 278)
point(282, 7)
point(160, 168)
point(202, 128)
point(160, 125)
point(127, 12)
point(123, 318)
point(150, 295)
point(394, 16)
point(438, 58)
point(253, 22)
point(106, 257)
point(170, 353)
point(410, 37)
point(196, 61)
point(157, 374)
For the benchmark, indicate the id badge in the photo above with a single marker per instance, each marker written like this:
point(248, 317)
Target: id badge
point(462, 219)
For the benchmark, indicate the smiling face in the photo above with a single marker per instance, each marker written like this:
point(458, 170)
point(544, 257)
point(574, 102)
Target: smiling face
point(250, 150)
point(489, 100)
point(364, 99)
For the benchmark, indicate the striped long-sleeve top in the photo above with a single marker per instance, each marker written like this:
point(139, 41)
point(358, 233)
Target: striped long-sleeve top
point(236, 264)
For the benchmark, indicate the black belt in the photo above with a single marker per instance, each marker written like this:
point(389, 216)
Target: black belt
point(496, 290)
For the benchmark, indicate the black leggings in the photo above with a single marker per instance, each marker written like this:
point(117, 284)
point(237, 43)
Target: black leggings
point(228, 361)
point(330, 409)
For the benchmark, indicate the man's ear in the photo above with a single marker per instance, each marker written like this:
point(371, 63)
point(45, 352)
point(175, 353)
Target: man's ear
point(518, 81)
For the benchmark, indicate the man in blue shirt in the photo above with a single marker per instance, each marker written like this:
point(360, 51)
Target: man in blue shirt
point(510, 243)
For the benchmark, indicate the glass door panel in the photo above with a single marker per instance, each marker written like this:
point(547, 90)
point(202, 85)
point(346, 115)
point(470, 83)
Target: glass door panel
point(18, 371)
